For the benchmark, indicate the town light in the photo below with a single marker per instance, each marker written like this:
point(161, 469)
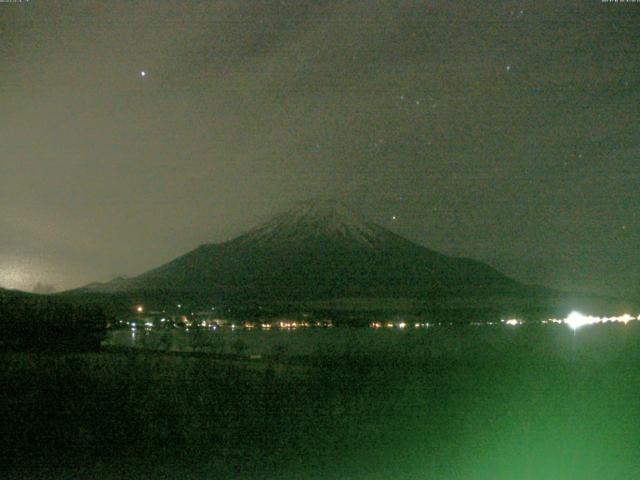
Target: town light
point(576, 320)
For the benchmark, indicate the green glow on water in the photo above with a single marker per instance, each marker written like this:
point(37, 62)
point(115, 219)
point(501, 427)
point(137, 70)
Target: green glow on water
point(497, 403)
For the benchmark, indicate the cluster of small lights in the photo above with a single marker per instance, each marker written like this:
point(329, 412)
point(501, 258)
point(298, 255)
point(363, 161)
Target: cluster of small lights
point(187, 322)
point(400, 325)
point(574, 320)
point(512, 322)
point(553, 320)
point(292, 325)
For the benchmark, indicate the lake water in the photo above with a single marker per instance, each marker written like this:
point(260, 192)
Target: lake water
point(435, 341)
point(456, 402)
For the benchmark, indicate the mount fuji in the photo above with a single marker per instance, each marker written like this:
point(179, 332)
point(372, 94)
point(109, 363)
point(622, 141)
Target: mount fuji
point(313, 251)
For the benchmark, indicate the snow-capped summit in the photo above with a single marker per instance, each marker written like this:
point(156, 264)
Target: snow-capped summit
point(312, 221)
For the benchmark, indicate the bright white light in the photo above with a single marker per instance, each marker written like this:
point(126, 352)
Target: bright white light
point(512, 322)
point(139, 309)
point(576, 320)
point(626, 318)
point(402, 325)
point(143, 73)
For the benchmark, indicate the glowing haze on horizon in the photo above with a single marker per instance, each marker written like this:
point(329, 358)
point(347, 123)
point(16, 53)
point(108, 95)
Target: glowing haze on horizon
point(135, 131)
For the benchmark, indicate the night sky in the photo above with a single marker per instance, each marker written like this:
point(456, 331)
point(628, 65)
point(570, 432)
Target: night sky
point(503, 131)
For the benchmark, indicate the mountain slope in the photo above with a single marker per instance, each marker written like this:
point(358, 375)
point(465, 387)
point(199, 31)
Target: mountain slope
point(316, 250)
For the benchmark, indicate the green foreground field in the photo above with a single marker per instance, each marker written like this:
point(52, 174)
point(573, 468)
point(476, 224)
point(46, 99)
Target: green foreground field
point(541, 403)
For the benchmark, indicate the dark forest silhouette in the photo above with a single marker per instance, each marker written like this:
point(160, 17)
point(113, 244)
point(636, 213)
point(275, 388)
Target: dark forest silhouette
point(34, 322)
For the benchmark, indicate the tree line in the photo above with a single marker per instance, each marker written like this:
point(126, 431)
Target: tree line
point(34, 322)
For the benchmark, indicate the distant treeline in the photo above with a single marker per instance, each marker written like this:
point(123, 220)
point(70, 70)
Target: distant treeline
point(33, 322)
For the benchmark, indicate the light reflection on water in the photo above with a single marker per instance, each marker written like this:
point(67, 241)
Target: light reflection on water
point(435, 341)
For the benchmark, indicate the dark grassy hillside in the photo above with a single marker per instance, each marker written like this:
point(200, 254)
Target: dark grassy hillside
point(41, 322)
